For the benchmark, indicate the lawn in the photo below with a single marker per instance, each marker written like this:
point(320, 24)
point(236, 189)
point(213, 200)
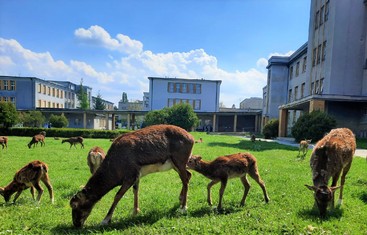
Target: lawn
point(289, 211)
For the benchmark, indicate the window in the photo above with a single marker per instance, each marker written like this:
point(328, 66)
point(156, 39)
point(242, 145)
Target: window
point(12, 85)
point(170, 102)
point(323, 55)
point(317, 88)
point(317, 16)
point(312, 87)
point(191, 88)
point(304, 64)
point(318, 54)
point(297, 69)
point(184, 88)
point(49, 90)
point(326, 17)
point(171, 87)
point(322, 15)
point(39, 104)
point(303, 90)
point(12, 99)
point(6, 84)
point(197, 89)
point(290, 95)
point(44, 89)
point(197, 104)
point(291, 73)
point(321, 85)
point(53, 92)
point(295, 93)
point(39, 87)
point(49, 104)
point(314, 57)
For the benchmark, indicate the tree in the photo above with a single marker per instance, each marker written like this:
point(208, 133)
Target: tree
point(181, 115)
point(59, 121)
point(8, 114)
point(271, 129)
point(32, 118)
point(313, 126)
point(124, 97)
point(98, 103)
point(83, 97)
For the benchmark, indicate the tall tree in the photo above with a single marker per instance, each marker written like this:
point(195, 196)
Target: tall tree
point(83, 97)
point(98, 103)
point(8, 114)
point(124, 97)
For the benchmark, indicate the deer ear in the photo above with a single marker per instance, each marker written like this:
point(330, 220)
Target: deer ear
point(312, 188)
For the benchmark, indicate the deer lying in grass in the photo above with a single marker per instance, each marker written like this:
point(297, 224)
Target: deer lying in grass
point(38, 138)
point(130, 157)
point(225, 167)
point(95, 157)
point(74, 140)
point(303, 147)
point(331, 156)
point(29, 177)
point(4, 141)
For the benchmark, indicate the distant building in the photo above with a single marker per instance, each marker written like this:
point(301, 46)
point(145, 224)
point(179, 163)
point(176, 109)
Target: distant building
point(328, 73)
point(108, 104)
point(201, 94)
point(252, 103)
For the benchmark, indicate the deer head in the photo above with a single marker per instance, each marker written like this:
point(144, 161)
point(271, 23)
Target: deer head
point(81, 208)
point(323, 196)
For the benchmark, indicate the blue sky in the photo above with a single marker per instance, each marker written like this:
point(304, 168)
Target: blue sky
point(115, 45)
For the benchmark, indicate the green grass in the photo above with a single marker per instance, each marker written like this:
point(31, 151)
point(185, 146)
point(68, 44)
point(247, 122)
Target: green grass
point(289, 211)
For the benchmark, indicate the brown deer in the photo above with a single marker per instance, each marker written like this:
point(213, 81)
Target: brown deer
point(4, 141)
point(95, 157)
point(225, 167)
point(130, 157)
point(74, 140)
point(38, 138)
point(331, 156)
point(303, 147)
point(29, 177)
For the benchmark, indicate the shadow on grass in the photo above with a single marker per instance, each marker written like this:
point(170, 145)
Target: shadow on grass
point(250, 146)
point(363, 197)
point(313, 214)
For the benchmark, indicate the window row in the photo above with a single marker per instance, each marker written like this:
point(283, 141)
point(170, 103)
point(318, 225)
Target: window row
point(51, 91)
point(8, 85)
point(49, 104)
point(175, 87)
point(322, 15)
point(195, 104)
point(317, 87)
point(319, 53)
point(8, 99)
point(298, 64)
point(295, 96)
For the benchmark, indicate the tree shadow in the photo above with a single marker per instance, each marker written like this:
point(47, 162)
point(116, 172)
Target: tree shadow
point(252, 146)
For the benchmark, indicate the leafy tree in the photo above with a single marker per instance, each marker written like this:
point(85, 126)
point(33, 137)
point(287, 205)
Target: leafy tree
point(313, 126)
point(83, 97)
point(99, 104)
point(32, 118)
point(59, 121)
point(271, 129)
point(8, 114)
point(181, 115)
point(124, 98)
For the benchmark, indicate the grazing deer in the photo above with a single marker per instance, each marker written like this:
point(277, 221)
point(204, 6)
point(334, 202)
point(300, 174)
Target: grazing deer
point(253, 138)
point(199, 141)
point(303, 147)
point(331, 156)
point(225, 167)
point(130, 157)
point(4, 141)
point(29, 177)
point(38, 138)
point(74, 140)
point(95, 157)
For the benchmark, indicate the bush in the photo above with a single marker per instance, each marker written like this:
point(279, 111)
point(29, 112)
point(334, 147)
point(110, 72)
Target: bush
point(59, 121)
point(313, 126)
point(181, 115)
point(8, 114)
point(271, 129)
point(32, 118)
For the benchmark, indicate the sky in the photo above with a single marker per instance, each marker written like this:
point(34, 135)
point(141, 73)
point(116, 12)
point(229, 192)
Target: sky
point(113, 46)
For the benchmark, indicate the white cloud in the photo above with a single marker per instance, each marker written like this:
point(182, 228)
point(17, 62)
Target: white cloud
point(129, 71)
point(263, 62)
point(98, 36)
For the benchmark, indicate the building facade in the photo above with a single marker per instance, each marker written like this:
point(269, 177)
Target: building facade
point(328, 73)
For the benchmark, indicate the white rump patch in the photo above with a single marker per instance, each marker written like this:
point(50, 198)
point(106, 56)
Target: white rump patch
point(145, 170)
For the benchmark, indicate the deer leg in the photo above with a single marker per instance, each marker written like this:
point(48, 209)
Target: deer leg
point(82, 145)
point(247, 186)
point(210, 185)
point(185, 176)
point(32, 192)
point(17, 195)
point(39, 190)
point(345, 171)
point(221, 192)
point(125, 186)
point(136, 198)
point(46, 181)
point(254, 173)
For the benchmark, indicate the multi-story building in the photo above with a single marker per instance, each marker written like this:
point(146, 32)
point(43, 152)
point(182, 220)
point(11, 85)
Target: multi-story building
point(201, 94)
point(328, 73)
point(251, 103)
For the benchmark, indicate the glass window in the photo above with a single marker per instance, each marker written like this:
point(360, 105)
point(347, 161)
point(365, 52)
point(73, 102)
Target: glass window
point(197, 104)
point(323, 51)
point(314, 57)
point(171, 87)
point(304, 64)
point(297, 69)
point(318, 54)
point(317, 16)
point(291, 73)
point(39, 87)
point(184, 88)
point(322, 15)
point(197, 88)
point(12, 85)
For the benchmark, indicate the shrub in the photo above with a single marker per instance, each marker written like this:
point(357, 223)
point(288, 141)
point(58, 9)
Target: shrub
point(8, 114)
point(313, 126)
point(271, 129)
point(58, 121)
point(32, 118)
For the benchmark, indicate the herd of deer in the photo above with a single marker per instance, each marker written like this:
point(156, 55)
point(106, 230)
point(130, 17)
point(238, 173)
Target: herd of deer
point(163, 147)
